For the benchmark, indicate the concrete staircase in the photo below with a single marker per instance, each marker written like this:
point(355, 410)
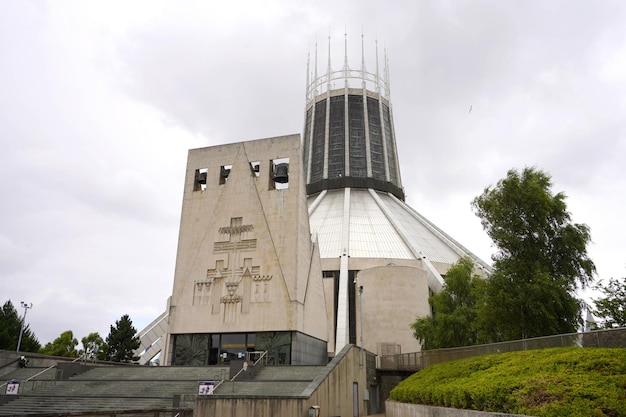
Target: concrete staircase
point(273, 381)
point(108, 389)
point(118, 390)
point(138, 390)
point(30, 378)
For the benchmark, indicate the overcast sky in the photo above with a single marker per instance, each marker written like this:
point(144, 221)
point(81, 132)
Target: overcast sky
point(100, 101)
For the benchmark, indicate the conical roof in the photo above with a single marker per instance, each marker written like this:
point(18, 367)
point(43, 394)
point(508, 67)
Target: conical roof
point(379, 225)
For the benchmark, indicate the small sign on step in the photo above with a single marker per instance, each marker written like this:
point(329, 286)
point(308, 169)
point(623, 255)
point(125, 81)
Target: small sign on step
point(13, 387)
point(206, 388)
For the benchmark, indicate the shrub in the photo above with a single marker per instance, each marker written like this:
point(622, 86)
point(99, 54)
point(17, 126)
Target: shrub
point(545, 383)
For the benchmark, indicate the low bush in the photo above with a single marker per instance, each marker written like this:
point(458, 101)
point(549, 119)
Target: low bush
point(544, 383)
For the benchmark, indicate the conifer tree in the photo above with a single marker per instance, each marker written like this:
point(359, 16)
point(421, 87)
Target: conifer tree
point(122, 341)
point(10, 325)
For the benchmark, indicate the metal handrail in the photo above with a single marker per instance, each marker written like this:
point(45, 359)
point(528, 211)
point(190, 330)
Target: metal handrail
point(41, 372)
point(220, 381)
point(263, 354)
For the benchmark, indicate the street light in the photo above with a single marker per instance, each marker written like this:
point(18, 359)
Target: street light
point(26, 306)
point(361, 320)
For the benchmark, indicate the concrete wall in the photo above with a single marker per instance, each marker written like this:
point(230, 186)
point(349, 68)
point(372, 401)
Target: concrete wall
point(34, 360)
point(398, 285)
point(37, 360)
point(8, 361)
point(331, 391)
point(396, 409)
point(334, 394)
point(306, 350)
point(402, 290)
point(248, 407)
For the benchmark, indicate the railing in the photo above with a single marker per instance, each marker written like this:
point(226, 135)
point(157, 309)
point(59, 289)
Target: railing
point(30, 378)
point(248, 358)
point(220, 380)
point(417, 360)
point(249, 355)
point(262, 356)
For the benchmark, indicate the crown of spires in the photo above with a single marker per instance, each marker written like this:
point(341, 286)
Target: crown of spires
point(352, 78)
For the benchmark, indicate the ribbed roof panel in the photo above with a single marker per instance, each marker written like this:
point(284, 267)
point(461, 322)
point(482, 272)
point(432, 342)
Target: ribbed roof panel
point(326, 222)
point(371, 233)
point(393, 231)
point(430, 241)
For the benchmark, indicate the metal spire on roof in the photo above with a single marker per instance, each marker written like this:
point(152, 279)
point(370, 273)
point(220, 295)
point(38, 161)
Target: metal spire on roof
point(377, 73)
point(387, 85)
point(308, 72)
point(329, 70)
point(346, 67)
point(376, 80)
point(315, 76)
point(363, 70)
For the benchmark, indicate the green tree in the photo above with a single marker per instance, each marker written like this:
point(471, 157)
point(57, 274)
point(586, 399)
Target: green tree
point(612, 307)
point(454, 310)
point(64, 345)
point(94, 347)
point(10, 325)
point(541, 258)
point(122, 341)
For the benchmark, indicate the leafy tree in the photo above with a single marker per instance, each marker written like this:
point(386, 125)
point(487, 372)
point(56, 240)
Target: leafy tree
point(454, 310)
point(541, 259)
point(94, 347)
point(612, 307)
point(10, 326)
point(122, 341)
point(64, 345)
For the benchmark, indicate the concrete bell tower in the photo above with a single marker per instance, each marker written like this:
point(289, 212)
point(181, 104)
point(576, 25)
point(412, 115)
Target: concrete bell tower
point(248, 276)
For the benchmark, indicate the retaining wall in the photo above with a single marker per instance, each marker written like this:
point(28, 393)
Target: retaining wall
point(396, 409)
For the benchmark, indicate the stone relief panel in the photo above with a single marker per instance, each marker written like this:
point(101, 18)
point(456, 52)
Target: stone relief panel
point(261, 288)
point(202, 292)
point(235, 282)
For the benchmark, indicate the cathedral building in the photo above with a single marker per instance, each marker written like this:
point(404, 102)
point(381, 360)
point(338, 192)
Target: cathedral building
point(299, 246)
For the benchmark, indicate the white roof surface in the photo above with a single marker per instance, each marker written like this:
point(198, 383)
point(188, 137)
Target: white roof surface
point(378, 226)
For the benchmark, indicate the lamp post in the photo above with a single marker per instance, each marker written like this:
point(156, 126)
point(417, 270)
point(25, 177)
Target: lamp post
point(361, 320)
point(26, 306)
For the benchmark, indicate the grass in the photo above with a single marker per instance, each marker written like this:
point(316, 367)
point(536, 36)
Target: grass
point(556, 382)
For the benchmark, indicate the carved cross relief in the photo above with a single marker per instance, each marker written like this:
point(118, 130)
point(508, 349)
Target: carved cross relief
point(234, 282)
